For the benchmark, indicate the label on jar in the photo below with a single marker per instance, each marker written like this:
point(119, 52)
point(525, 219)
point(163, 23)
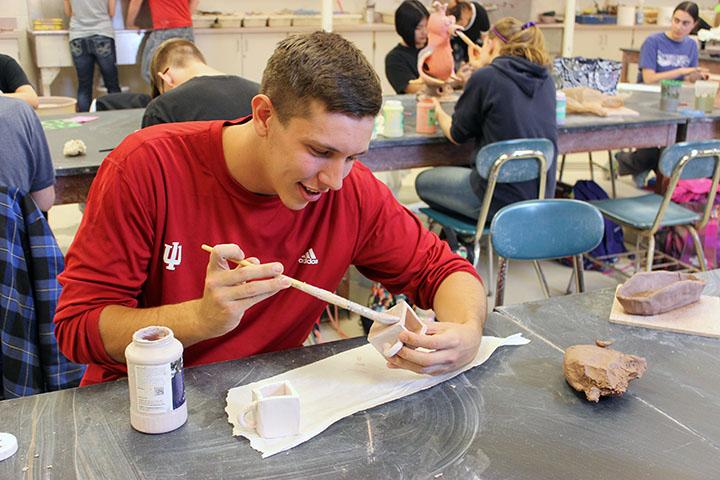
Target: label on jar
point(159, 388)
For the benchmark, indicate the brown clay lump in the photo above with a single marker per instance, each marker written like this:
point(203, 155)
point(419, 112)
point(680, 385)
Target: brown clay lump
point(600, 372)
point(651, 293)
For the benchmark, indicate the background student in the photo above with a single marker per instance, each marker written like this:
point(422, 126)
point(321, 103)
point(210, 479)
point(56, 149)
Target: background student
point(186, 89)
point(474, 19)
point(92, 41)
point(14, 83)
point(511, 95)
point(670, 55)
point(401, 62)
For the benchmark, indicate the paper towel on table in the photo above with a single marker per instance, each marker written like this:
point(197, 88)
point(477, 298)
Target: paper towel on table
point(338, 386)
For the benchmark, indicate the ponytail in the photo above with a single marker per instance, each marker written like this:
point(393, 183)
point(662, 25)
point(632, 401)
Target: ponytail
point(521, 40)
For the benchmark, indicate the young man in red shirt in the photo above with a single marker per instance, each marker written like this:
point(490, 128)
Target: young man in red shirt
point(283, 186)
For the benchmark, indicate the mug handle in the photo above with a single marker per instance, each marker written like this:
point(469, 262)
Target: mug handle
point(248, 411)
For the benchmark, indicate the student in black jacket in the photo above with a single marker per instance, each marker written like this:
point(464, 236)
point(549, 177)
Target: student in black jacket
point(474, 19)
point(511, 95)
point(401, 62)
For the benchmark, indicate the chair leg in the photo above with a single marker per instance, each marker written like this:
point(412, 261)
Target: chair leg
point(592, 170)
point(650, 253)
point(541, 278)
point(571, 281)
point(637, 253)
point(698, 247)
point(562, 168)
point(500, 287)
point(579, 272)
point(612, 173)
point(490, 265)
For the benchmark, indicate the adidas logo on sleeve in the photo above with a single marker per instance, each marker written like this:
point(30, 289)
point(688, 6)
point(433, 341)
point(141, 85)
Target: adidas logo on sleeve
point(309, 258)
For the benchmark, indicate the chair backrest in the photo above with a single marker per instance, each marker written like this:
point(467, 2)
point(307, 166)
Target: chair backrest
point(597, 73)
point(525, 153)
point(507, 161)
point(547, 228)
point(686, 160)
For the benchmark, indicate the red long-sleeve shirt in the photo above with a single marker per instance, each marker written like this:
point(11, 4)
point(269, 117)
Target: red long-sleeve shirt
point(166, 190)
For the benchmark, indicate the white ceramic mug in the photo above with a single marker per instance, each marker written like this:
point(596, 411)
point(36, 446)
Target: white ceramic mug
point(274, 411)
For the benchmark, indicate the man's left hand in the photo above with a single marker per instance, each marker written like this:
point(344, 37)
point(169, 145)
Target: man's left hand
point(454, 345)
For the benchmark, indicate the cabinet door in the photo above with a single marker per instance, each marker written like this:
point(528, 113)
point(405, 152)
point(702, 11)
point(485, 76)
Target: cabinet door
point(256, 50)
point(221, 51)
point(588, 42)
point(615, 40)
point(384, 42)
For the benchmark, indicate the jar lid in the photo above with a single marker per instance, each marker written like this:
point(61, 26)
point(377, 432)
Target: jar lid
point(153, 334)
point(8, 445)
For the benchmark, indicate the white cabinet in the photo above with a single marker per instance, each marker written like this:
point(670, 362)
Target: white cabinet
point(601, 42)
point(221, 51)
point(384, 42)
point(256, 51)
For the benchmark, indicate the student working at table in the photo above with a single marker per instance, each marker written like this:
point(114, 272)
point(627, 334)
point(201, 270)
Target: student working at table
point(279, 184)
point(411, 19)
point(185, 88)
point(511, 95)
point(14, 83)
point(670, 55)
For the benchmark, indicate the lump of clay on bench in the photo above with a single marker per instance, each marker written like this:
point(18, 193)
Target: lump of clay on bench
point(600, 372)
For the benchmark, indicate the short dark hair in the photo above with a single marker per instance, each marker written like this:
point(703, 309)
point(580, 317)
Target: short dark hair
point(690, 8)
point(407, 17)
point(172, 52)
point(324, 67)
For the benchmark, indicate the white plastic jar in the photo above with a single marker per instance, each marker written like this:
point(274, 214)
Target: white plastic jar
point(155, 376)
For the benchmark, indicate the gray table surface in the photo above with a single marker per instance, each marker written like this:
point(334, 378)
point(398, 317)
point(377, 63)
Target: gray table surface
point(112, 126)
point(513, 417)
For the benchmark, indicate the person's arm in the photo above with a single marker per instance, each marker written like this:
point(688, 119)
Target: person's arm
point(228, 294)
point(193, 4)
point(132, 13)
point(67, 7)
point(111, 8)
point(44, 198)
point(414, 86)
point(651, 76)
point(444, 120)
point(461, 308)
point(27, 94)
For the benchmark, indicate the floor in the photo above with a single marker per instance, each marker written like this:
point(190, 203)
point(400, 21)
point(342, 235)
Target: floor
point(522, 284)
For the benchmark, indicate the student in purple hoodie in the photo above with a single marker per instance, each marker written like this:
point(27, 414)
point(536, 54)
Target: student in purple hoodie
point(511, 95)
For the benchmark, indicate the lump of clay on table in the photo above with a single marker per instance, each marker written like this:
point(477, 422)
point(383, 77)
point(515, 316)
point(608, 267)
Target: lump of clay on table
point(600, 372)
point(651, 293)
point(74, 148)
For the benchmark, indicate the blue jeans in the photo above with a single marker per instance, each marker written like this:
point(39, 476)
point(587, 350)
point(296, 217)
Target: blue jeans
point(448, 189)
point(86, 52)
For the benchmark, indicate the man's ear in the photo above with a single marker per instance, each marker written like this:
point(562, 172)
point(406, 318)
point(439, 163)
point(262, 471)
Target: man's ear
point(167, 79)
point(262, 111)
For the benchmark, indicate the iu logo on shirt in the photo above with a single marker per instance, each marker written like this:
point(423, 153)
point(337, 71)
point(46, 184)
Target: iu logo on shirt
point(309, 258)
point(173, 255)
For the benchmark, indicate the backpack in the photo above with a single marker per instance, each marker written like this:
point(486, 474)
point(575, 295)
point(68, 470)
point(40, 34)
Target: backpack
point(613, 241)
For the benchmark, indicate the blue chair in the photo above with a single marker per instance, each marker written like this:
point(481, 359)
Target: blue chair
point(507, 161)
point(544, 229)
point(646, 214)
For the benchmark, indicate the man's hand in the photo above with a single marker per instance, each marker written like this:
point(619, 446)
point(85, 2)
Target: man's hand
point(697, 73)
point(230, 292)
point(454, 345)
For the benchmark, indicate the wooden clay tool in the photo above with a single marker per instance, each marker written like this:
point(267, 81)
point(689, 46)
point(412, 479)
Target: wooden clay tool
point(329, 297)
point(466, 39)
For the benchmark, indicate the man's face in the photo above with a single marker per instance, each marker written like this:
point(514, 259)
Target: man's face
point(312, 155)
